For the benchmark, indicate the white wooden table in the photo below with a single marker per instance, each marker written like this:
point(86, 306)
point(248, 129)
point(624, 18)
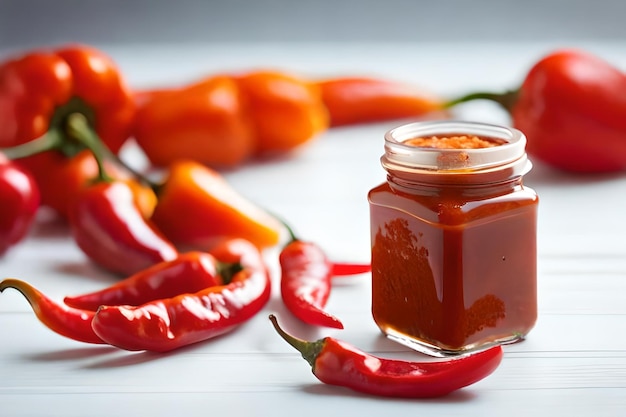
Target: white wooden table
point(572, 364)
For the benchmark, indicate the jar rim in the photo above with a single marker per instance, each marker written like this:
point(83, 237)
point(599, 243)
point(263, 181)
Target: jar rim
point(399, 154)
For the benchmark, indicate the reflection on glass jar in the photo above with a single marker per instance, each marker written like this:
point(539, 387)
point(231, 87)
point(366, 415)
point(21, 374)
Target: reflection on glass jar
point(454, 238)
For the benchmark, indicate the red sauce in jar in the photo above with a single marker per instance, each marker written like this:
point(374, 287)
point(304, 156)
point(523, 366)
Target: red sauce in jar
point(454, 240)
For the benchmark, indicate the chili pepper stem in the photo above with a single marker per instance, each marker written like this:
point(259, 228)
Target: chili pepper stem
point(51, 140)
point(309, 350)
point(506, 99)
point(290, 232)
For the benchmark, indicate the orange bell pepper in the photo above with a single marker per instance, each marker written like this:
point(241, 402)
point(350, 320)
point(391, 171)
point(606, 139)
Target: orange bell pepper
point(286, 111)
point(203, 121)
point(197, 208)
point(358, 100)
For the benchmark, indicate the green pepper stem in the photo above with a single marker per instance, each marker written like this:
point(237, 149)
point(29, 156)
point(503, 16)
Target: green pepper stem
point(78, 128)
point(228, 270)
point(506, 99)
point(49, 141)
point(309, 350)
point(69, 138)
point(292, 234)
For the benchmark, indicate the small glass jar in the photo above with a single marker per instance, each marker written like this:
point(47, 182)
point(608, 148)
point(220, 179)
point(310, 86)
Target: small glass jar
point(454, 253)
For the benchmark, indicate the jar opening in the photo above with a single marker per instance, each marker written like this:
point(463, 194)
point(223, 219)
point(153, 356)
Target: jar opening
point(401, 152)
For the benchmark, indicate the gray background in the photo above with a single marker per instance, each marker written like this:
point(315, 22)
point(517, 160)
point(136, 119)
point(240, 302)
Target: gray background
point(35, 22)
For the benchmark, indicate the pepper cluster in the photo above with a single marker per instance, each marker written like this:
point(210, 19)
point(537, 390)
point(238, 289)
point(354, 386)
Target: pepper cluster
point(66, 113)
point(188, 246)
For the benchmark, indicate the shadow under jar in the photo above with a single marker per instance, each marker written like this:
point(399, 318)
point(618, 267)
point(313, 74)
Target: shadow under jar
point(454, 231)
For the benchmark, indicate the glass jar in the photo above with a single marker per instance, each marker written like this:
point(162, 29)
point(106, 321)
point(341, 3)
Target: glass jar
point(453, 231)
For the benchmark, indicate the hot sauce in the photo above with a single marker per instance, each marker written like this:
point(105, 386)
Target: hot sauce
point(453, 234)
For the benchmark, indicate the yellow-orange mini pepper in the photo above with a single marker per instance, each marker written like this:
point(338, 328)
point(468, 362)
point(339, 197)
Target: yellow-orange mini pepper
point(286, 111)
point(359, 100)
point(197, 208)
point(203, 121)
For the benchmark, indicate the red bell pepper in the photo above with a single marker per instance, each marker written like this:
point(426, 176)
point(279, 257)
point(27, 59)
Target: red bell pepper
point(41, 89)
point(19, 201)
point(572, 109)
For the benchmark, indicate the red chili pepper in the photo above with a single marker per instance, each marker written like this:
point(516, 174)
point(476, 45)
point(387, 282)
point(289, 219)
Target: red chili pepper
point(342, 269)
point(19, 197)
point(189, 273)
point(305, 283)
point(110, 229)
point(171, 323)
point(61, 319)
point(572, 109)
point(356, 100)
point(336, 363)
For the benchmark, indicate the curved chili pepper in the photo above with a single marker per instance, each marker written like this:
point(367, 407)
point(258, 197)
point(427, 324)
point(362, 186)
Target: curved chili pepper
point(337, 363)
point(20, 199)
point(197, 208)
point(285, 111)
point(204, 122)
point(572, 109)
point(357, 100)
point(66, 321)
point(189, 273)
point(305, 283)
point(171, 323)
point(110, 229)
